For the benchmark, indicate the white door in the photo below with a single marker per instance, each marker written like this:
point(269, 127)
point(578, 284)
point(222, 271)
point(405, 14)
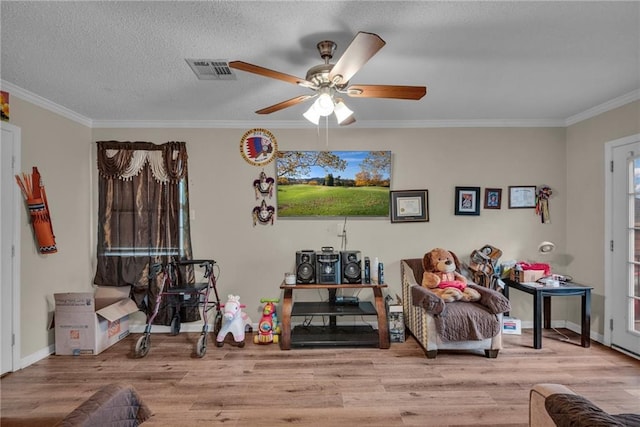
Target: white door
point(10, 203)
point(624, 290)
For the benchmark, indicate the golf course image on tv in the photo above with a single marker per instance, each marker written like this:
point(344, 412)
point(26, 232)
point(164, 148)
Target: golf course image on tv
point(333, 183)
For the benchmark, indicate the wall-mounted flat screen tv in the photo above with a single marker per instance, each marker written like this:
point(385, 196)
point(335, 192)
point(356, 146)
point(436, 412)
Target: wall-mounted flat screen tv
point(333, 183)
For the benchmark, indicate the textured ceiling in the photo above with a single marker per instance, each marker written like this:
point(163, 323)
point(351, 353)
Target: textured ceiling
point(481, 61)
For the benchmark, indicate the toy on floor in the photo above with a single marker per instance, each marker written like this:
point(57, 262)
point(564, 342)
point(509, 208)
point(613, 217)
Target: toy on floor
point(268, 328)
point(234, 321)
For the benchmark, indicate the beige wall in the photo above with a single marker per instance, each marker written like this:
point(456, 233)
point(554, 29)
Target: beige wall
point(60, 149)
point(585, 199)
point(253, 259)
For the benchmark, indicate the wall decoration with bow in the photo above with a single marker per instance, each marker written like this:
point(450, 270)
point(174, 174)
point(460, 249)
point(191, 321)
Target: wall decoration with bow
point(542, 203)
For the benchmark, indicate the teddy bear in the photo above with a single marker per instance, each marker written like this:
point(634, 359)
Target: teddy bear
point(440, 276)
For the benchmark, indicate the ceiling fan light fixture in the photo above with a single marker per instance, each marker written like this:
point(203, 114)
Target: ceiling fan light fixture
point(312, 115)
point(342, 112)
point(324, 104)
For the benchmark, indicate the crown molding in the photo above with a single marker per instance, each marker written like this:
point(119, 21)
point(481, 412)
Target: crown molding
point(303, 124)
point(45, 103)
point(604, 107)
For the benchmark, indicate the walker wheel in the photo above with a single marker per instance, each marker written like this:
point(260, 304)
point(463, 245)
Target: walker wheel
point(201, 348)
point(241, 344)
point(142, 346)
point(217, 323)
point(219, 344)
point(175, 325)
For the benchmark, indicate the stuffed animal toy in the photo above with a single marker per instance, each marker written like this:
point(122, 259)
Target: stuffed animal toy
point(234, 321)
point(441, 277)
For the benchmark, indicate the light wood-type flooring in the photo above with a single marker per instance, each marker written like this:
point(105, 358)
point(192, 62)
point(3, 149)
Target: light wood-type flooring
point(261, 385)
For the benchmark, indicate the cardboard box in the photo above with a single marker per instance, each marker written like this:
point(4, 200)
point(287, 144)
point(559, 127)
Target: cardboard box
point(525, 275)
point(511, 326)
point(395, 318)
point(89, 323)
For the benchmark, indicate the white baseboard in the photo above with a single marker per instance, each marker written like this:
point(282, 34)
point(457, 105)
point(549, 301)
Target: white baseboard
point(568, 325)
point(37, 356)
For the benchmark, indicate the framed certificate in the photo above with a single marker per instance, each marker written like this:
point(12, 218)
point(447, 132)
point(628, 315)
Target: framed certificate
point(523, 196)
point(410, 206)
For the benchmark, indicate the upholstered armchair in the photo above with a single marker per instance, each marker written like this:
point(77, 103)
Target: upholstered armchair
point(459, 325)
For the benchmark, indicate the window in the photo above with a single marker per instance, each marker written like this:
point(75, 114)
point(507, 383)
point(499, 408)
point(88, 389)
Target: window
point(143, 215)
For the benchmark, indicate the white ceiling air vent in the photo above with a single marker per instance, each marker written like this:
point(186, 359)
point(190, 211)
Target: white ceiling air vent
point(211, 69)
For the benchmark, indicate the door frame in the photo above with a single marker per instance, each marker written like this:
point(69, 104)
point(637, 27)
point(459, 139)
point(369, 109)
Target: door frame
point(609, 147)
point(16, 238)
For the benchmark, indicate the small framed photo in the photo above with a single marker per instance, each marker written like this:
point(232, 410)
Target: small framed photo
point(522, 196)
point(492, 198)
point(410, 206)
point(467, 201)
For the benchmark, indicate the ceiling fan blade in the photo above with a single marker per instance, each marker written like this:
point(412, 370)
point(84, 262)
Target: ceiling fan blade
point(362, 48)
point(284, 104)
point(387, 91)
point(256, 69)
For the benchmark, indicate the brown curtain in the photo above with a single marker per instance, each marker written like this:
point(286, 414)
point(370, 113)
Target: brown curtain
point(143, 219)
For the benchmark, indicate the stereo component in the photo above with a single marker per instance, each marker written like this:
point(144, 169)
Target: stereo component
point(351, 267)
point(327, 266)
point(305, 266)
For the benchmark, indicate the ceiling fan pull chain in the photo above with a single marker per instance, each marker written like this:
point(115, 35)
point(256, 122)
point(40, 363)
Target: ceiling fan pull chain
point(326, 129)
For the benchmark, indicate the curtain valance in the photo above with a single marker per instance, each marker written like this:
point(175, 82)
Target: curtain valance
point(124, 160)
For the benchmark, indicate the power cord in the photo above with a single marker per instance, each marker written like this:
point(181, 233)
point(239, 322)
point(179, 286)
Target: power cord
point(343, 244)
point(564, 337)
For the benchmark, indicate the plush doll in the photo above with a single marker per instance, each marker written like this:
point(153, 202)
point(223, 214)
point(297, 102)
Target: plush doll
point(234, 321)
point(441, 277)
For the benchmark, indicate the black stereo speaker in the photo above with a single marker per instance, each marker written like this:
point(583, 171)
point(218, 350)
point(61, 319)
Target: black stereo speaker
point(351, 266)
point(327, 266)
point(305, 266)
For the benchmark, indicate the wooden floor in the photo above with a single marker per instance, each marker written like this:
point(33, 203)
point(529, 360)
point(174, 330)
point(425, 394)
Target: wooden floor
point(261, 385)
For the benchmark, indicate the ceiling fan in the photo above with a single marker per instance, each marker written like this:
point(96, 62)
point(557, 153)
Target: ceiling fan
point(330, 81)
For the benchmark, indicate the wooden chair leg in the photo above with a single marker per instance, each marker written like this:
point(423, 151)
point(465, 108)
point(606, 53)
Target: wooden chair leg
point(491, 354)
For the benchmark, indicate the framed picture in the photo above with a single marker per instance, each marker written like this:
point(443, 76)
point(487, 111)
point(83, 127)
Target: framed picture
point(492, 198)
point(522, 196)
point(467, 201)
point(410, 206)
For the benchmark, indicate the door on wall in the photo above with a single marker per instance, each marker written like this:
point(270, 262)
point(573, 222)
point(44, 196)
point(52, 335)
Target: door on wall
point(9, 248)
point(624, 290)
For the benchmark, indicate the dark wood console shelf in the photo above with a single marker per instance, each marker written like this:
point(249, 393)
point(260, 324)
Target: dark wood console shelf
point(333, 334)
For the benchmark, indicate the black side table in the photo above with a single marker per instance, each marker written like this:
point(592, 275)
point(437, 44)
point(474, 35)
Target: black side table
point(542, 296)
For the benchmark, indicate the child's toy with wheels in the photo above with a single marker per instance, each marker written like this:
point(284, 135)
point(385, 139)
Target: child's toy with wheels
point(268, 328)
point(234, 321)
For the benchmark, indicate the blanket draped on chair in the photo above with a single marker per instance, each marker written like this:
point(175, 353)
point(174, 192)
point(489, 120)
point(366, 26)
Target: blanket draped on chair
point(462, 321)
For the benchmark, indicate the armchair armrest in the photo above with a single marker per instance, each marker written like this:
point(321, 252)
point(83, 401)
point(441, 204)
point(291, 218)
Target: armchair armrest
point(538, 415)
point(491, 299)
point(113, 404)
point(423, 297)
